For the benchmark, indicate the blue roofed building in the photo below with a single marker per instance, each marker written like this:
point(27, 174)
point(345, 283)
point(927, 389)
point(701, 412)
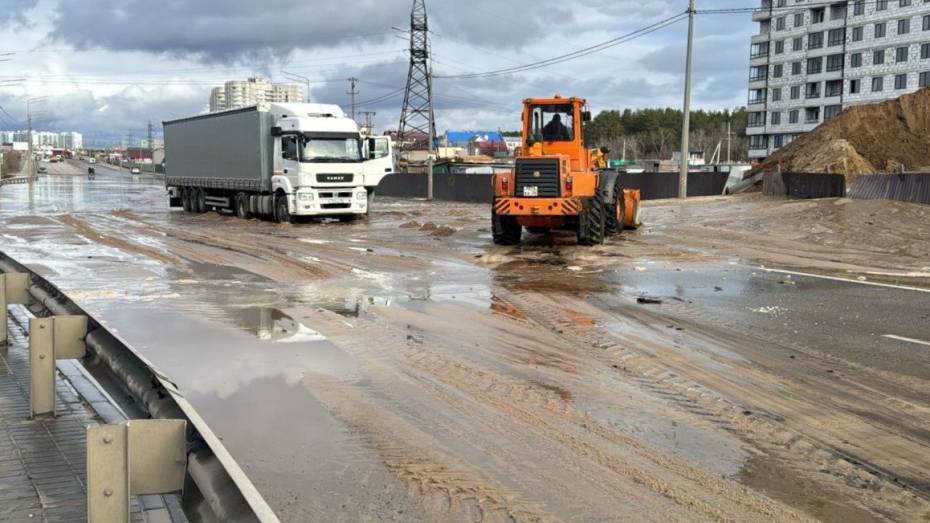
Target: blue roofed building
point(464, 138)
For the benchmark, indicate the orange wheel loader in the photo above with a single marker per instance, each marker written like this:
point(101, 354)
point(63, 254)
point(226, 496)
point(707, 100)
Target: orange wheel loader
point(557, 183)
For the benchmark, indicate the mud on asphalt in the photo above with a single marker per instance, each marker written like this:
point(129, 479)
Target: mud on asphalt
point(404, 368)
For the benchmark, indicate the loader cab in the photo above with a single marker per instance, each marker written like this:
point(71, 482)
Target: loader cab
point(555, 126)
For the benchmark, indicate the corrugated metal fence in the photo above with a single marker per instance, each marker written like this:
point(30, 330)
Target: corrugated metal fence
point(904, 187)
point(804, 185)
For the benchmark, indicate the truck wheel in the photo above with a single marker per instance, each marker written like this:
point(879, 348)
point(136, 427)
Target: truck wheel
point(591, 221)
point(242, 206)
point(186, 199)
point(504, 229)
point(615, 209)
point(199, 200)
point(281, 212)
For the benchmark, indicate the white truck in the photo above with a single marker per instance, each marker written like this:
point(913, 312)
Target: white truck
point(281, 160)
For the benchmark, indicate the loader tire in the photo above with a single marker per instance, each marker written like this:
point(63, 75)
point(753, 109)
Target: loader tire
point(592, 221)
point(504, 229)
point(615, 207)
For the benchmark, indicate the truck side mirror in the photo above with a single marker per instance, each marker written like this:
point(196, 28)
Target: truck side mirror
point(371, 149)
point(586, 116)
point(276, 131)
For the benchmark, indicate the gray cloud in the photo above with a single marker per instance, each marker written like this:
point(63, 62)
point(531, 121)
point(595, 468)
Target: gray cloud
point(13, 12)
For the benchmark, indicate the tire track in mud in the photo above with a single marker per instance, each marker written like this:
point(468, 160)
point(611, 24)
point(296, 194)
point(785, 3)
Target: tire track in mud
point(257, 250)
point(666, 373)
point(641, 474)
point(91, 233)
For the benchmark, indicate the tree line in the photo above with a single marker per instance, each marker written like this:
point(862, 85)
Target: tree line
point(656, 133)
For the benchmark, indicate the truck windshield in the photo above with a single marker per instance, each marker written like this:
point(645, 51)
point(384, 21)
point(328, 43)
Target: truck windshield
point(322, 150)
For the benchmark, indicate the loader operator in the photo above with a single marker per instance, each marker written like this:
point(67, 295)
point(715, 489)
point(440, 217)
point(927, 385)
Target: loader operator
point(555, 131)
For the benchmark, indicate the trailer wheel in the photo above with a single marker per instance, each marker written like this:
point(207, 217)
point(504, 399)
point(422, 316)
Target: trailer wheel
point(242, 206)
point(281, 212)
point(199, 200)
point(505, 230)
point(591, 221)
point(186, 199)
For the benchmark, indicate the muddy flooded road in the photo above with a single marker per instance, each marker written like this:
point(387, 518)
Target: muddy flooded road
point(737, 359)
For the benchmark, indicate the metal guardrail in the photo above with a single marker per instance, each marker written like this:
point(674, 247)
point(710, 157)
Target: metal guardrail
point(18, 179)
point(218, 489)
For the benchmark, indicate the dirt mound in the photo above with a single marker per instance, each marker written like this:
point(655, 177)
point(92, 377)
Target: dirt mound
point(864, 139)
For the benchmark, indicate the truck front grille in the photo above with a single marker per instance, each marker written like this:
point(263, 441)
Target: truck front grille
point(335, 178)
point(542, 173)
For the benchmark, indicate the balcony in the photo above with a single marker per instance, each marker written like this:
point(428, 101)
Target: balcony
point(759, 38)
point(756, 101)
point(762, 13)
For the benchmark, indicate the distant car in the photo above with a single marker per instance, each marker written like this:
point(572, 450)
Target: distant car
point(42, 169)
point(91, 160)
point(135, 170)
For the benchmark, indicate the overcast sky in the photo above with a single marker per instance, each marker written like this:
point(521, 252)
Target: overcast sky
point(109, 67)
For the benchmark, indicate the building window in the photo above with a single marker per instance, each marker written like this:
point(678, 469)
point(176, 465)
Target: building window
point(778, 140)
point(799, 20)
point(780, 23)
point(817, 15)
point(836, 37)
point(811, 114)
point(757, 141)
point(793, 116)
point(924, 79)
point(904, 26)
point(833, 88)
point(776, 94)
point(797, 44)
point(855, 60)
point(782, 3)
point(830, 111)
point(904, 3)
point(900, 54)
point(835, 62)
point(812, 90)
point(854, 86)
point(757, 96)
point(837, 12)
point(857, 34)
point(777, 70)
point(859, 8)
point(780, 47)
point(877, 83)
point(878, 57)
point(795, 68)
point(900, 81)
point(814, 40)
point(757, 72)
point(776, 118)
point(924, 51)
point(881, 5)
point(759, 50)
point(795, 92)
point(814, 65)
point(880, 30)
point(756, 119)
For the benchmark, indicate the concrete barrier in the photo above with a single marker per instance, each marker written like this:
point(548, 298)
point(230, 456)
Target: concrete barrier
point(804, 185)
point(476, 188)
point(903, 187)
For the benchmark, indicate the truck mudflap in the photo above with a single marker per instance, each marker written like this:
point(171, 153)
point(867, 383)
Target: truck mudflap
point(538, 206)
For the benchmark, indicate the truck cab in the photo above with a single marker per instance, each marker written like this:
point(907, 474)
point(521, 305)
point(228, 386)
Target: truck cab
point(322, 165)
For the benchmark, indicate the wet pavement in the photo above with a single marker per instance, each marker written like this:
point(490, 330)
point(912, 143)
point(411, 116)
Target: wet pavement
point(404, 368)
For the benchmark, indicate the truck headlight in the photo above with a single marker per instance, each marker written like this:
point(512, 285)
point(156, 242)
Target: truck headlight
point(361, 196)
point(305, 196)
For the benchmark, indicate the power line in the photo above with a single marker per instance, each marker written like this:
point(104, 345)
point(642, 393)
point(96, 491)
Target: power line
point(643, 31)
point(382, 97)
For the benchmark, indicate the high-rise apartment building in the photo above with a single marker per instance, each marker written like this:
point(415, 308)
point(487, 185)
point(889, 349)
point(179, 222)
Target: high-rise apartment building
point(812, 59)
point(256, 90)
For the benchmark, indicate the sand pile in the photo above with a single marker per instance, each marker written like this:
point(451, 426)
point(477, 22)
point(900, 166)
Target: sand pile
point(864, 139)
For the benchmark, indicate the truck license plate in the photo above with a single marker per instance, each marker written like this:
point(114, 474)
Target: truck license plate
point(531, 191)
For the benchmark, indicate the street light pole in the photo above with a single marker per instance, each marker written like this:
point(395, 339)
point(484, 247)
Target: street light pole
point(686, 112)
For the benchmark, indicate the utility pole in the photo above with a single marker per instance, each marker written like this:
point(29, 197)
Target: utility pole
point(151, 142)
point(29, 137)
point(729, 136)
point(353, 92)
point(369, 119)
point(417, 116)
point(686, 112)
